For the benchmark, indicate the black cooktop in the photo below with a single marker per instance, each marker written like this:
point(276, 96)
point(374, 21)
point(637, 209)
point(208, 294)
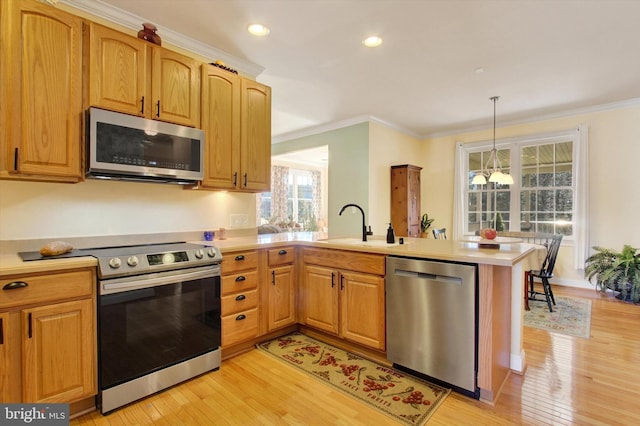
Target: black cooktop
point(108, 252)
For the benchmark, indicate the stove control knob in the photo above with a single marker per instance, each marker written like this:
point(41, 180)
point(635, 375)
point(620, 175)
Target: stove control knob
point(132, 261)
point(199, 254)
point(114, 263)
point(211, 252)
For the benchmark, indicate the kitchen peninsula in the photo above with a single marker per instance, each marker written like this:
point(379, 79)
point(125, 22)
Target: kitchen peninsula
point(500, 273)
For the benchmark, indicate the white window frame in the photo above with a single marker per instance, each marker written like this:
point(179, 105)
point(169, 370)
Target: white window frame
point(579, 137)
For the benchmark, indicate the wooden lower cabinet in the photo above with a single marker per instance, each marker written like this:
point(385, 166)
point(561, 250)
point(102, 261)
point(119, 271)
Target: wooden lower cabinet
point(347, 303)
point(48, 342)
point(240, 300)
point(56, 367)
point(281, 288)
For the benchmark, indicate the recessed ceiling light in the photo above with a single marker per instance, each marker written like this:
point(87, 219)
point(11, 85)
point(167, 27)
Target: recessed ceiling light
point(373, 41)
point(258, 30)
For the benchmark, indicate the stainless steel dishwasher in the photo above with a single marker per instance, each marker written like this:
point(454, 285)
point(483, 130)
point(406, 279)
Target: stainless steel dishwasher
point(432, 312)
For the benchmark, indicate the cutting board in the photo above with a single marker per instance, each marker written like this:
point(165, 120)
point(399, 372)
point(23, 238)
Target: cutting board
point(35, 255)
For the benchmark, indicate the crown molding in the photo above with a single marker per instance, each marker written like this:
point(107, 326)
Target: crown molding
point(129, 20)
point(322, 128)
point(543, 117)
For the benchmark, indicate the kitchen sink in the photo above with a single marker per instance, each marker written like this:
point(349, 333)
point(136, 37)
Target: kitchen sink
point(359, 242)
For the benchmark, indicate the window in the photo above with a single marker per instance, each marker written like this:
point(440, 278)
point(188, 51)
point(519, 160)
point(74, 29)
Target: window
point(549, 191)
point(294, 201)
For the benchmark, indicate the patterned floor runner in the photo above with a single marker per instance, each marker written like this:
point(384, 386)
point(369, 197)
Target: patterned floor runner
point(405, 398)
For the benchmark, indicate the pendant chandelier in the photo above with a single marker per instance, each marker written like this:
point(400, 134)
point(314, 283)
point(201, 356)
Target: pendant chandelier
point(495, 172)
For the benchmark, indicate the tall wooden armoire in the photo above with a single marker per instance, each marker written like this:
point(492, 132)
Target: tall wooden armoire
point(405, 200)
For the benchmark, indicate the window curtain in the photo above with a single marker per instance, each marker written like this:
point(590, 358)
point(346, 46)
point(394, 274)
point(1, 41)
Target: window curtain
point(279, 185)
point(316, 192)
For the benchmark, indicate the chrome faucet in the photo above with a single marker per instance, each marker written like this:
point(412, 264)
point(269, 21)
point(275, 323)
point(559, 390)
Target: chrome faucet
point(364, 228)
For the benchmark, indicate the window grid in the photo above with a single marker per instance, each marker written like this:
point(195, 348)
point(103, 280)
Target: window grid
point(542, 195)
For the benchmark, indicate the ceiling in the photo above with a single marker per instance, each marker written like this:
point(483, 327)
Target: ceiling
point(440, 61)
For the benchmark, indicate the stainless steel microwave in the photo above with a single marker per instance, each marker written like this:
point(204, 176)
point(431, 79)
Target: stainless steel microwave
point(127, 147)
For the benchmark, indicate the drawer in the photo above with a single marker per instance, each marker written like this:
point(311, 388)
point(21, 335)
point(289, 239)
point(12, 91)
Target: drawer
point(239, 302)
point(239, 327)
point(47, 288)
point(281, 256)
point(348, 260)
point(239, 261)
point(239, 282)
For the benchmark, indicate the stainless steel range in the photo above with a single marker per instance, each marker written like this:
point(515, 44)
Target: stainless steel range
point(158, 318)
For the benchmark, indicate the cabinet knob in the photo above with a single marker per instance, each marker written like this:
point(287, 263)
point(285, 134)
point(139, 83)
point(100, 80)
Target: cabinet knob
point(15, 285)
point(240, 317)
point(240, 278)
point(281, 252)
point(240, 297)
point(239, 257)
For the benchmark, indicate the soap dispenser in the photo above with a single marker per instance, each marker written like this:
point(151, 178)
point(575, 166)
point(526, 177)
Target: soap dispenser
point(391, 236)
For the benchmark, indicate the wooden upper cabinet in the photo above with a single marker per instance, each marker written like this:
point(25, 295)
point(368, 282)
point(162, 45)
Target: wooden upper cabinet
point(118, 70)
point(255, 158)
point(175, 88)
point(130, 75)
point(41, 69)
point(236, 119)
point(221, 124)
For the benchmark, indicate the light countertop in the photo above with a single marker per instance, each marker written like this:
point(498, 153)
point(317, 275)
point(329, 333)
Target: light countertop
point(424, 248)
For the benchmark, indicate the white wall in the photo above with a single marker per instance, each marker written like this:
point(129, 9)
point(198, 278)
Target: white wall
point(33, 210)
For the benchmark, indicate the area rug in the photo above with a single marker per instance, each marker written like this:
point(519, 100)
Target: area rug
point(405, 398)
point(570, 316)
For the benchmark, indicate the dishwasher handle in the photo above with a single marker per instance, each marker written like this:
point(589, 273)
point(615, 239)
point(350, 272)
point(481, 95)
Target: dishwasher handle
point(427, 276)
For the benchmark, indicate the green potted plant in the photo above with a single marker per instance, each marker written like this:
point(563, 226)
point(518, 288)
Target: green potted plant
point(616, 271)
point(425, 224)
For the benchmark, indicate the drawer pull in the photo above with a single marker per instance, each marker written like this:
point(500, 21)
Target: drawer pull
point(241, 317)
point(282, 252)
point(1, 332)
point(14, 285)
point(239, 257)
point(241, 297)
point(240, 278)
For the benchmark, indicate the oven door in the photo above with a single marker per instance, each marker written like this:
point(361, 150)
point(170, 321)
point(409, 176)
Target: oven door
point(154, 321)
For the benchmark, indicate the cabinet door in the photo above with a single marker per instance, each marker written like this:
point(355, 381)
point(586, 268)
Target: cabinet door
point(221, 124)
point(363, 309)
point(41, 56)
point(59, 359)
point(319, 298)
point(4, 357)
point(118, 74)
point(413, 213)
point(175, 88)
point(255, 152)
point(281, 297)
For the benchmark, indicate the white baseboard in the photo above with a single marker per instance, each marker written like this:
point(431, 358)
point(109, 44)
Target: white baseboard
point(570, 283)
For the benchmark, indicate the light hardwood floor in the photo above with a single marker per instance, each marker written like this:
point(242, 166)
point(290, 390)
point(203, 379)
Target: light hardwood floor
point(569, 380)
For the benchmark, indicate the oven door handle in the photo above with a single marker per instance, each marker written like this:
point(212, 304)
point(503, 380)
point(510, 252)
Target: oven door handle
point(118, 285)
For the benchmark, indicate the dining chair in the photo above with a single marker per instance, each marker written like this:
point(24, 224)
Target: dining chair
point(546, 272)
point(440, 233)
